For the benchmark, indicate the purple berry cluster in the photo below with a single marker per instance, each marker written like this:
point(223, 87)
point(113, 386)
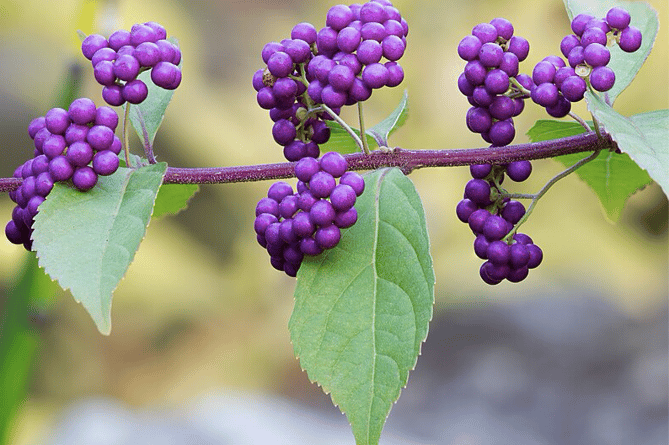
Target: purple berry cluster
point(496, 91)
point(77, 145)
point(119, 59)
point(338, 65)
point(290, 225)
point(492, 217)
point(493, 55)
point(586, 50)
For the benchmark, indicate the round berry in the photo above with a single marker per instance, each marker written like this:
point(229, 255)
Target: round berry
point(147, 54)
point(338, 17)
point(328, 237)
point(519, 46)
point(573, 88)
point(355, 180)
point(602, 78)
point(91, 44)
point(497, 82)
point(267, 205)
point(60, 169)
point(596, 54)
point(630, 39)
point(579, 22)
point(469, 47)
point(106, 116)
point(519, 170)
point(279, 190)
point(79, 154)
point(322, 213)
point(494, 228)
point(502, 133)
point(513, 211)
point(333, 163)
point(490, 55)
point(165, 75)
point(498, 252)
point(57, 120)
point(536, 256)
point(135, 91)
point(113, 95)
point(84, 178)
point(105, 162)
point(464, 209)
point(283, 132)
point(346, 219)
point(618, 18)
point(304, 31)
point(82, 111)
point(140, 33)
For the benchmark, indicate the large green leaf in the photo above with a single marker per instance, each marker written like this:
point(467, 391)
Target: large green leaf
point(643, 137)
point(614, 177)
point(173, 198)
point(148, 115)
point(625, 65)
point(362, 309)
point(86, 241)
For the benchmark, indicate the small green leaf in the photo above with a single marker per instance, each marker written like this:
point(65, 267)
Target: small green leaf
point(625, 65)
point(362, 309)
point(86, 241)
point(613, 177)
point(396, 119)
point(149, 114)
point(643, 137)
point(342, 142)
point(173, 198)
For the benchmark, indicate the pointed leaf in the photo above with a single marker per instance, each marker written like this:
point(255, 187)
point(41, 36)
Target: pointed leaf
point(625, 65)
point(147, 116)
point(173, 198)
point(614, 177)
point(86, 241)
point(396, 119)
point(643, 137)
point(362, 309)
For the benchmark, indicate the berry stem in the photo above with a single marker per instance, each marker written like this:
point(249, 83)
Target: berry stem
point(407, 160)
point(148, 148)
point(126, 138)
point(545, 188)
point(363, 136)
point(348, 129)
point(580, 120)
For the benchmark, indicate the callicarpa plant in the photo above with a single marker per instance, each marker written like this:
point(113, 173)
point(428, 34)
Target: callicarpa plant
point(356, 242)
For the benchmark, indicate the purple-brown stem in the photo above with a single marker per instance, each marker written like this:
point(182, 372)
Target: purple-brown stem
point(406, 160)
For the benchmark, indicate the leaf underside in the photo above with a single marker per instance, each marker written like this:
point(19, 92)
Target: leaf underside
point(362, 309)
point(86, 241)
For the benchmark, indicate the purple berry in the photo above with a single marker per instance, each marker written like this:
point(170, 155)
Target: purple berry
point(322, 213)
point(106, 116)
point(579, 22)
point(596, 54)
point(119, 39)
point(333, 98)
point(393, 48)
point(100, 137)
point(165, 75)
point(395, 74)
point(568, 43)
point(54, 146)
point(105, 162)
point(618, 18)
point(79, 154)
point(342, 197)
point(602, 78)
point(84, 178)
point(373, 12)
point(267, 205)
point(147, 54)
point(480, 171)
point(135, 91)
point(494, 228)
point(464, 209)
point(498, 252)
point(57, 120)
point(490, 55)
point(468, 48)
point(513, 211)
point(113, 95)
point(321, 184)
point(353, 179)
point(503, 26)
point(630, 39)
point(375, 75)
point(485, 32)
point(347, 218)
point(283, 132)
point(543, 72)
point(509, 64)
point(279, 190)
point(262, 222)
point(369, 52)
point(333, 163)
point(82, 111)
point(328, 237)
point(519, 46)
point(304, 31)
point(91, 44)
point(140, 33)
point(536, 256)
point(478, 120)
point(60, 169)
point(496, 82)
point(338, 17)
point(573, 88)
point(502, 133)
point(593, 35)
point(545, 94)
point(519, 255)
point(519, 170)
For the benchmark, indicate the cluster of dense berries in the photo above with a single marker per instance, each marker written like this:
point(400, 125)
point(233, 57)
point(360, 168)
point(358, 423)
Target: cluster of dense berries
point(119, 59)
point(79, 144)
point(492, 217)
point(290, 225)
point(76, 144)
point(338, 65)
point(493, 53)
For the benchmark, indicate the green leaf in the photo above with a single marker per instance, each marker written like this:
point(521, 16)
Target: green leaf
point(643, 137)
point(625, 65)
point(86, 241)
point(396, 119)
point(148, 115)
point(362, 309)
point(342, 142)
point(613, 177)
point(173, 198)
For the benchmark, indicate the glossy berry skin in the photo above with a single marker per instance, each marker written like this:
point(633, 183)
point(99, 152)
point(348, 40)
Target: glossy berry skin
point(84, 178)
point(519, 170)
point(630, 39)
point(602, 78)
point(105, 163)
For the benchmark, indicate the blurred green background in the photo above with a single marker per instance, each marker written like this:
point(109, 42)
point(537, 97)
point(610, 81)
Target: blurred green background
point(201, 307)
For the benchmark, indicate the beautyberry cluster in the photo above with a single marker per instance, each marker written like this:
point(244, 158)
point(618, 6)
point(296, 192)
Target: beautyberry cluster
point(77, 145)
point(119, 59)
point(338, 65)
point(492, 217)
point(307, 77)
point(290, 225)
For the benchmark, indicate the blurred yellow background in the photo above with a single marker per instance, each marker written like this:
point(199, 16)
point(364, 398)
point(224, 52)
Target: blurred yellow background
point(201, 307)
